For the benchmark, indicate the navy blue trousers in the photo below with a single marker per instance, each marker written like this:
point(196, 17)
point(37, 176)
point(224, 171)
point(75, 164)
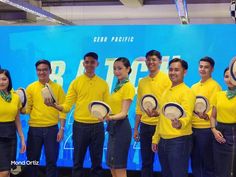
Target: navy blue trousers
point(202, 153)
point(88, 136)
point(37, 138)
point(174, 156)
point(146, 133)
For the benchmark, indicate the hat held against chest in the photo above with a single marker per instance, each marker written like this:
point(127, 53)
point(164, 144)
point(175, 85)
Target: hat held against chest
point(173, 111)
point(22, 94)
point(201, 105)
point(232, 71)
point(148, 102)
point(99, 109)
point(47, 93)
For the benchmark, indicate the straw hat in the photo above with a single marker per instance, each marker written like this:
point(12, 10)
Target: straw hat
point(232, 71)
point(149, 101)
point(173, 111)
point(201, 105)
point(99, 109)
point(22, 94)
point(47, 93)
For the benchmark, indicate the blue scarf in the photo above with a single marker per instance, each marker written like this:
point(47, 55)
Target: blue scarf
point(120, 84)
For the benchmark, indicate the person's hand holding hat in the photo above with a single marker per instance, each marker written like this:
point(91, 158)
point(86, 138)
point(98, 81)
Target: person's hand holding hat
point(149, 105)
point(152, 113)
point(176, 123)
point(202, 115)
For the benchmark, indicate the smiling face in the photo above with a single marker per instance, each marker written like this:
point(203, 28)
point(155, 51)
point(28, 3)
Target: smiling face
point(153, 63)
point(4, 82)
point(205, 69)
point(176, 73)
point(120, 70)
point(227, 80)
point(43, 72)
point(90, 64)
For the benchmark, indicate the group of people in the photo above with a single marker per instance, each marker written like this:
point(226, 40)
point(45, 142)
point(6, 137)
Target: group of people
point(208, 138)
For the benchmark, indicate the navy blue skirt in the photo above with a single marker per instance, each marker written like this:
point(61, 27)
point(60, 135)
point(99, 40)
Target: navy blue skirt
point(225, 154)
point(7, 145)
point(118, 143)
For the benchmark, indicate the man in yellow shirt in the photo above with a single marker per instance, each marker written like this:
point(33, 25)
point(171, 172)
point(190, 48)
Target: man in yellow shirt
point(175, 135)
point(202, 152)
point(88, 131)
point(43, 122)
point(155, 83)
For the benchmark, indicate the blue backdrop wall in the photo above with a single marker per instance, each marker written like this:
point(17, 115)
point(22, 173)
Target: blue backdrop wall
point(64, 46)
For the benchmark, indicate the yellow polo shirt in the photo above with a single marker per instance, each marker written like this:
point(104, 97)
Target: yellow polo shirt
point(226, 111)
point(155, 86)
point(209, 90)
point(184, 96)
point(126, 92)
point(42, 115)
point(9, 110)
point(82, 91)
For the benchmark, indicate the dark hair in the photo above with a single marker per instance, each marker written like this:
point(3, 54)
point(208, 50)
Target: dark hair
point(125, 61)
point(46, 62)
point(209, 60)
point(7, 73)
point(183, 63)
point(91, 54)
point(155, 53)
point(226, 69)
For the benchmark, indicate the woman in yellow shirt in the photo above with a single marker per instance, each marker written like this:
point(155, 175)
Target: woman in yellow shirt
point(118, 124)
point(224, 146)
point(9, 123)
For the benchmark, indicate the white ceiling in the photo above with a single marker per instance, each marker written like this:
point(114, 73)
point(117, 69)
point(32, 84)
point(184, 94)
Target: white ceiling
point(133, 12)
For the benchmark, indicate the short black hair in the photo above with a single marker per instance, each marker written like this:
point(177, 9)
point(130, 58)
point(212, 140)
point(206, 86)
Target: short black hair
point(46, 62)
point(226, 69)
point(154, 52)
point(183, 63)
point(91, 54)
point(7, 73)
point(125, 61)
point(209, 60)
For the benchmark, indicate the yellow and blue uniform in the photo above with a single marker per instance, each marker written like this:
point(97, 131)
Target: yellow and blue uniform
point(224, 153)
point(156, 86)
point(202, 152)
point(8, 113)
point(175, 145)
point(119, 130)
point(87, 130)
point(43, 126)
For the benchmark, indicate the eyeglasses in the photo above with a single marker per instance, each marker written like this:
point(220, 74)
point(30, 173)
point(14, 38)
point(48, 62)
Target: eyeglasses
point(44, 70)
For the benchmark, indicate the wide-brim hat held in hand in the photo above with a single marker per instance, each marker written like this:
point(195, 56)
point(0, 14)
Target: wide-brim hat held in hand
point(99, 109)
point(23, 98)
point(148, 102)
point(201, 105)
point(47, 93)
point(173, 111)
point(232, 71)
